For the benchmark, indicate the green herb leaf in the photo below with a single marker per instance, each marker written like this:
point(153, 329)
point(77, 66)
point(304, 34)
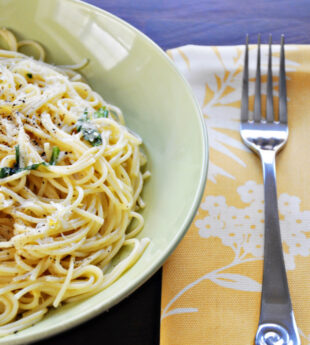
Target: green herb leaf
point(81, 121)
point(34, 166)
point(55, 155)
point(29, 75)
point(4, 172)
point(17, 157)
point(89, 130)
point(101, 112)
point(91, 134)
point(7, 171)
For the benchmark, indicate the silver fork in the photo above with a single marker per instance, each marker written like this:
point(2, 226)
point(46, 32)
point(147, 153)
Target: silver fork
point(266, 136)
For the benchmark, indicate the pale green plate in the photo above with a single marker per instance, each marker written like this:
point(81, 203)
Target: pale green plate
point(128, 70)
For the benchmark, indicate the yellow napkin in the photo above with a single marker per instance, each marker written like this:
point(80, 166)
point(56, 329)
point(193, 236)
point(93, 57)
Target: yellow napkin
point(212, 282)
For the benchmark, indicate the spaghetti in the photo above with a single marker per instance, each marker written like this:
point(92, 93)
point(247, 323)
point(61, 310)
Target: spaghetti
point(70, 184)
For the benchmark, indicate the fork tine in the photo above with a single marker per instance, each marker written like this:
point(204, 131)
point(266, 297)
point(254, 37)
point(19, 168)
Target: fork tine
point(245, 83)
point(269, 105)
point(257, 102)
point(282, 86)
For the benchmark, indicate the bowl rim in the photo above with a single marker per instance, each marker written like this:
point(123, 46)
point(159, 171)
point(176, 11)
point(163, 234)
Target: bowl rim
point(156, 265)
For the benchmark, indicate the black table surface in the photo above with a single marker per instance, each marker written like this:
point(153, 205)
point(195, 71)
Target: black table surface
point(172, 23)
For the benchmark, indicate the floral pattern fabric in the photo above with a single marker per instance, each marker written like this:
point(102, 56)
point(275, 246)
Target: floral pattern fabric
point(212, 282)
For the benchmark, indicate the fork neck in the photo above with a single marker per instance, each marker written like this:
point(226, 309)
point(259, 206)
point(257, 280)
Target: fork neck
point(268, 157)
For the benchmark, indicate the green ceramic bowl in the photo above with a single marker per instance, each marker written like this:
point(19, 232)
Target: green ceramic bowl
point(128, 70)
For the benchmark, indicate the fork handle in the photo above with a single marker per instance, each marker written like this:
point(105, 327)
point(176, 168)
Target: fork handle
point(277, 323)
